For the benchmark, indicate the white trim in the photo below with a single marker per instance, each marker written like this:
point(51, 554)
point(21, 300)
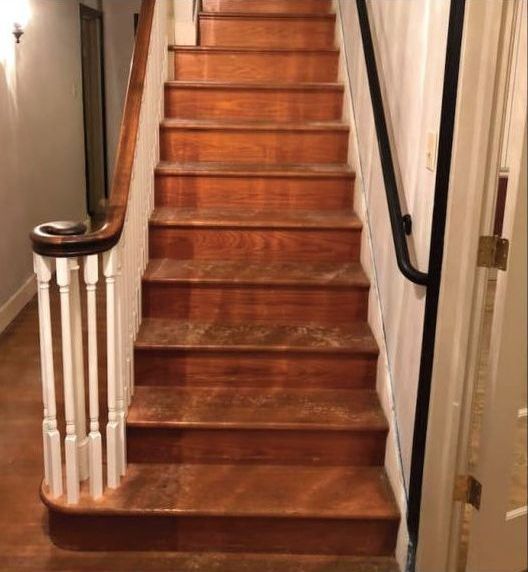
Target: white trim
point(10, 310)
point(384, 382)
point(473, 187)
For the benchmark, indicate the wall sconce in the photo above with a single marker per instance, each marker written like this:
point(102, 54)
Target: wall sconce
point(18, 32)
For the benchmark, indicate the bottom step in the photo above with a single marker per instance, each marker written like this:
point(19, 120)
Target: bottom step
point(232, 508)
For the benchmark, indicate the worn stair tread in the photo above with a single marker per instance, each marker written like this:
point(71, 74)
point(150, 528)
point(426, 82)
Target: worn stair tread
point(268, 86)
point(250, 408)
point(256, 170)
point(254, 491)
point(165, 334)
point(248, 218)
point(252, 125)
point(324, 274)
point(268, 15)
point(248, 49)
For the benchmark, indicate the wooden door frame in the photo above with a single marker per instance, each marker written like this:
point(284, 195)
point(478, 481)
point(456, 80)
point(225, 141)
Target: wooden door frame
point(473, 189)
point(98, 15)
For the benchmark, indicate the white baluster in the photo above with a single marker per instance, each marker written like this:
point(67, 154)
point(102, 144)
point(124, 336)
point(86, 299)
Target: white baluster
point(95, 452)
point(71, 450)
point(50, 433)
point(121, 397)
point(78, 369)
point(113, 454)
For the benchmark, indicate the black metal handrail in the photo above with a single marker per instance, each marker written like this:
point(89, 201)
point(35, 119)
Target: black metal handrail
point(398, 221)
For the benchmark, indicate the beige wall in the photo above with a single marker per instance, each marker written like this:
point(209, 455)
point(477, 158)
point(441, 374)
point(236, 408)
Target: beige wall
point(119, 46)
point(410, 36)
point(41, 122)
point(41, 130)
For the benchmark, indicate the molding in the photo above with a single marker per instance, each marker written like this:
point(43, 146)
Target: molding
point(18, 301)
point(384, 382)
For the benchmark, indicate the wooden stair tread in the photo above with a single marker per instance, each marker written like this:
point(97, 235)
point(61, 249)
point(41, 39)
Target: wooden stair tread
point(258, 170)
point(284, 492)
point(268, 86)
point(248, 49)
point(167, 270)
point(267, 15)
point(222, 218)
point(252, 125)
point(166, 334)
point(247, 408)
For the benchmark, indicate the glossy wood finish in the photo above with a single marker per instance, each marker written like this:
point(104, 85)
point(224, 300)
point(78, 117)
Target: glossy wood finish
point(235, 186)
point(268, 6)
point(267, 30)
point(245, 235)
point(187, 141)
point(255, 424)
point(353, 511)
point(228, 292)
point(264, 102)
point(254, 65)
point(110, 227)
point(25, 542)
point(249, 426)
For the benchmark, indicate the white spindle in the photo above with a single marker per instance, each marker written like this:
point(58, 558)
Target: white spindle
point(71, 451)
point(50, 432)
point(113, 454)
point(78, 369)
point(95, 451)
point(121, 397)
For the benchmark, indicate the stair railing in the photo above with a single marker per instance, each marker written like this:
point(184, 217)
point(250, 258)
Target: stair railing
point(400, 224)
point(114, 252)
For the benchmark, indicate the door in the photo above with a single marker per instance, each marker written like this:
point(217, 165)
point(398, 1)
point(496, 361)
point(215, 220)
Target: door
point(92, 46)
point(498, 530)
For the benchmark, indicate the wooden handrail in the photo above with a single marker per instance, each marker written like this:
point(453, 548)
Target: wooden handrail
point(63, 239)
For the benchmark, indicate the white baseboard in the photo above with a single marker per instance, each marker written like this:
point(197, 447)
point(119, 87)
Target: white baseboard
point(10, 310)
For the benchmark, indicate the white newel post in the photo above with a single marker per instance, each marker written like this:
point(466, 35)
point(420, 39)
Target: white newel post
point(71, 451)
point(95, 451)
point(78, 369)
point(50, 432)
point(113, 453)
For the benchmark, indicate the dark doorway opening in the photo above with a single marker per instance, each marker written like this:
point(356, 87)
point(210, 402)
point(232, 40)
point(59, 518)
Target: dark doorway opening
point(93, 88)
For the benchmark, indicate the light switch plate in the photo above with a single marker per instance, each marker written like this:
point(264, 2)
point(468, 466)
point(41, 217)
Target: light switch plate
point(431, 150)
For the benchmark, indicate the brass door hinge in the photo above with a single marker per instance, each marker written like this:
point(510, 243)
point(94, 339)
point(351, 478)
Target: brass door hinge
point(493, 252)
point(468, 490)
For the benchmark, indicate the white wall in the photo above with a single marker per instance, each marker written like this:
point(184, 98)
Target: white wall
point(41, 130)
point(119, 46)
point(410, 36)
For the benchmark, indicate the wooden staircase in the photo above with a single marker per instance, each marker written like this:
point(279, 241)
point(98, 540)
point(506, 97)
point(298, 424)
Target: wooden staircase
point(255, 425)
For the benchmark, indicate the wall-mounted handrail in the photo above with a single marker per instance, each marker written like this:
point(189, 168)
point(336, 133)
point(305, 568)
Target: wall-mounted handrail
point(397, 220)
point(46, 240)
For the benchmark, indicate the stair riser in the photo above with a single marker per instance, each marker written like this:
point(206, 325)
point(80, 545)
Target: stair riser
point(267, 32)
point(246, 146)
point(361, 537)
point(269, 245)
point(260, 305)
point(221, 446)
point(269, 6)
point(256, 67)
point(251, 369)
point(253, 104)
point(282, 193)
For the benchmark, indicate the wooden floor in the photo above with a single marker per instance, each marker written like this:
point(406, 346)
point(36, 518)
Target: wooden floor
point(24, 540)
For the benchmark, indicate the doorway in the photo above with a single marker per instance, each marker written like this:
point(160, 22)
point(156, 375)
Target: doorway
point(93, 90)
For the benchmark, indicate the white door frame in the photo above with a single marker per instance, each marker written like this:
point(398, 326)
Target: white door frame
point(481, 111)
